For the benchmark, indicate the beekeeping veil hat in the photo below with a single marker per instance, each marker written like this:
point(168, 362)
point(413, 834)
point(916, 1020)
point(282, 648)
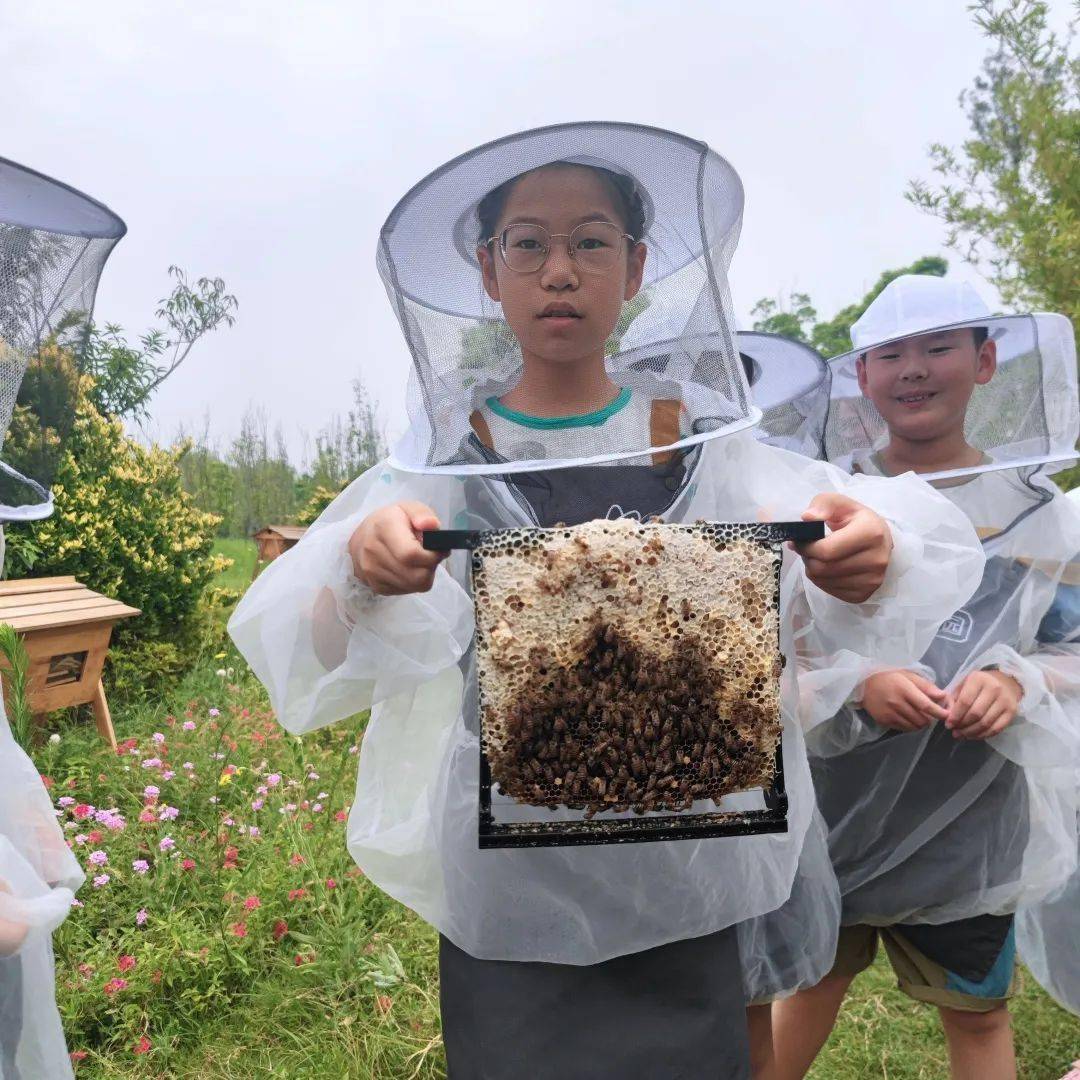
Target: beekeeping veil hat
point(463, 352)
point(38, 878)
point(53, 245)
point(1027, 414)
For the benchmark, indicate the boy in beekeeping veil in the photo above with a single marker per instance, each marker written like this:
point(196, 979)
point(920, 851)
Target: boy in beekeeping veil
point(514, 271)
point(948, 786)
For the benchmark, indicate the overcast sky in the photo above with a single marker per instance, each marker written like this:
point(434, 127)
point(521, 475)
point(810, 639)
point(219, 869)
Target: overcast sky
point(265, 142)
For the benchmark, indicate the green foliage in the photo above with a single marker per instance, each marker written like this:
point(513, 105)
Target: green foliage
point(16, 670)
point(833, 336)
point(123, 526)
point(1010, 196)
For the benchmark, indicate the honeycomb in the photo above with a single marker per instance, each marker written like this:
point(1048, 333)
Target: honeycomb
point(628, 666)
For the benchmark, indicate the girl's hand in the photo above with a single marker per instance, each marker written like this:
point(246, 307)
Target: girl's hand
point(850, 563)
point(903, 701)
point(986, 704)
point(386, 551)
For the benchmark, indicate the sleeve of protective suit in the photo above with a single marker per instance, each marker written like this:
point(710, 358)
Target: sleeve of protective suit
point(325, 646)
point(936, 564)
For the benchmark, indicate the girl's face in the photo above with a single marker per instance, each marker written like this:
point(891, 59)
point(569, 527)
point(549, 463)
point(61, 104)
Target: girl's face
point(922, 385)
point(561, 313)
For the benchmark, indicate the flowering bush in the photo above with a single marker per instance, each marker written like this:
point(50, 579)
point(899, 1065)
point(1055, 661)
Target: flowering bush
point(217, 869)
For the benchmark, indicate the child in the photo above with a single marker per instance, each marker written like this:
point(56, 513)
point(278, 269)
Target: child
point(514, 270)
point(948, 785)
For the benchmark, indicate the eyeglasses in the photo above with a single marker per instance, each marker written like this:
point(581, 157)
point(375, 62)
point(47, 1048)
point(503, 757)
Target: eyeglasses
point(594, 246)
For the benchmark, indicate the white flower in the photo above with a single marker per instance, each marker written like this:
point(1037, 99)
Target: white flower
point(220, 673)
point(54, 738)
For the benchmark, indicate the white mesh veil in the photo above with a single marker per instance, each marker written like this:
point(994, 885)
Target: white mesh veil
point(463, 351)
point(53, 244)
point(1027, 414)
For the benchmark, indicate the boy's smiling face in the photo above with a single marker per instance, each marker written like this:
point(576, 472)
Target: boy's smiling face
point(922, 385)
point(561, 313)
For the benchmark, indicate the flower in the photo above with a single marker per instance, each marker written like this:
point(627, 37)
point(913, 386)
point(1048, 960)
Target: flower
point(167, 774)
point(140, 917)
point(98, 858)
point(95, 836)
point(274, 779)
point(341, 816)
point(126, 963)
point(65, 801)
point(188, 765)
point(158, 737)
point(167, 843)
point(76, 903)
point(151, 763)
point(142, 1046)
point(188, 725)
point(188, 864)
point(147, 816)
point(317, 808)
point(331, 883)
point(253, 831)
point(256, 804)
point(297, 894)
point(302, 959)
point(100, 880)
point(168, 813)
point(281, 928)
point(140, 866)
point(252, 902)
point(384, 1003)
point(220, 673)
point(313, 775)
point(80, 838)
point(151, 792)
point(113, 985)
point(82, 811)
point(239, 929)
point(77, 1056)
point(296, 859)
point(54, 738)
point(214, 712)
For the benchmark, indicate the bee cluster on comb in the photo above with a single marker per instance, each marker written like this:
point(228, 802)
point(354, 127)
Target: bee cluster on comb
point(627, 668)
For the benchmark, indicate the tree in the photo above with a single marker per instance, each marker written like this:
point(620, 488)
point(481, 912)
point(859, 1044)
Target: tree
point(832, 336)
point(1010, 196)
point(125, 375)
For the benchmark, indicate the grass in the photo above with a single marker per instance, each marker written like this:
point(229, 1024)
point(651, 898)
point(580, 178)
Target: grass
point(336, 980)
point(242, 552)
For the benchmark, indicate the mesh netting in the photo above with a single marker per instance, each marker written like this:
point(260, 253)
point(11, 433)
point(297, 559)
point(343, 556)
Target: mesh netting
point(1027, 414)
point(464, 352)
point(53, 244)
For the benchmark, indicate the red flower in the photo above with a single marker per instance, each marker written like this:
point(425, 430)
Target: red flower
point(281, 928)
point(187, 864)
point(341, 816)
point(252, 902)
point(82, 812)
point(301, 959)
point(142, 1046)
point(78, 1055)
point(297, 894)
point(113, 985)
point(94, 836)
point(126, 963)
point(296, 860)
point(239, 929)
point(232, 853)
point(47, 781)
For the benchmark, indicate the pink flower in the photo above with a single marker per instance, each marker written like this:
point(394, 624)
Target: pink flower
point(140, 917)
point(158, 737)
point(142, 1046)
point(78, 1055)
point(126, 963)
point(214, 712)
point(297, 894)
point(252, 902)
point(281, 928)
point(80, 838)
point(65, 801)
point(189, 765)
point(76, 903)
point(296, 859)
point(167, 774)
point(239, 929)
point(147, 816)
point(151, 763)
point(317, 808)
point(82, 811)
point(140, 866)
point(274, 779)
point(331, 883)
point(97, 858)
point(167, 843)
point(253, 831)
point(257, 804)
point(313, 775)
point(188, 725)
point(101, 880)
point(95, 836)
point(168, 813)
point(341, 816)
point(113, 985)
point(188, 864)
point(151, 792)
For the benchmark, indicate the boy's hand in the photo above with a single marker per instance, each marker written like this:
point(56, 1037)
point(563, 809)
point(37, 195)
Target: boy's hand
point(985, 705)
point(903, 701)
point(850, 563)
point(387, 555)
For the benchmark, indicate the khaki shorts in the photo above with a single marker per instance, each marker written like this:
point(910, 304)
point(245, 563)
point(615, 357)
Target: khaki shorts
point(987, 978)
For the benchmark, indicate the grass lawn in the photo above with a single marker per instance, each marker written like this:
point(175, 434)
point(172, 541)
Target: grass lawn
point(242, 553)
point(235, 938)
